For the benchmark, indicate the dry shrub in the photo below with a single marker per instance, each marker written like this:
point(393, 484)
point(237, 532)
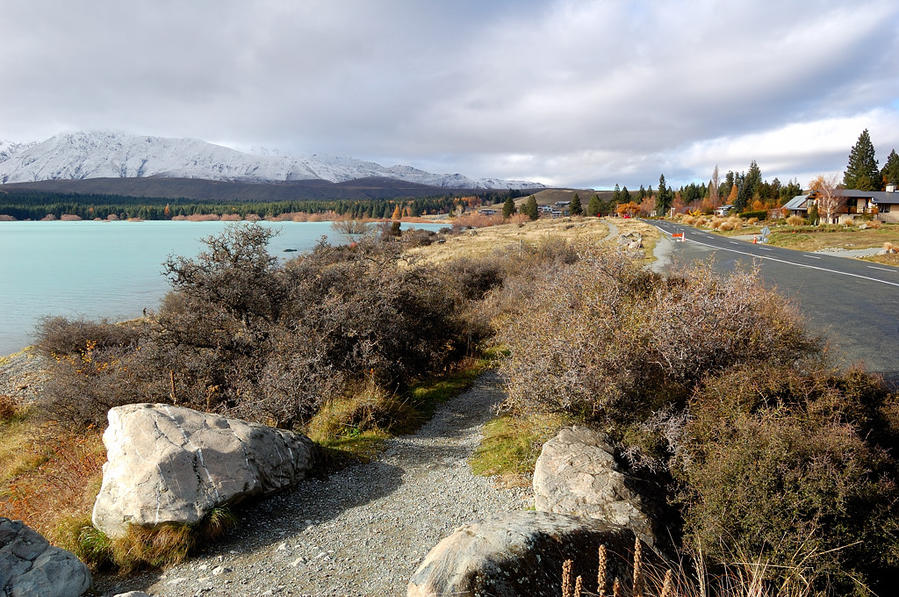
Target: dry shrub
point(795, 467)
point(795, 220)
point(752, 220)
point(726, 226)
point(607, 341)
point(477, 220)
point(715, 223)
point(890, 247)
point(244, 335)
point(875, 224)
point(8, 408)
point(689, 220)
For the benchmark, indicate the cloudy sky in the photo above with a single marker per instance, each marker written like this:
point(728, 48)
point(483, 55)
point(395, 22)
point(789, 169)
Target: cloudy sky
point(580, 93)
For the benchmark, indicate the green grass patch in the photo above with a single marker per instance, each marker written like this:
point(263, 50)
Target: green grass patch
point(354, 428)
point(512, 444)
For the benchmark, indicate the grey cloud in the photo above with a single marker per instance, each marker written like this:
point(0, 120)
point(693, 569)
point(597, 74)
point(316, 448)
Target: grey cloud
point(567, 92)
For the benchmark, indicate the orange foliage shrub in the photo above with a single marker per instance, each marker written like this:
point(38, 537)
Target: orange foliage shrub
point(477, 220)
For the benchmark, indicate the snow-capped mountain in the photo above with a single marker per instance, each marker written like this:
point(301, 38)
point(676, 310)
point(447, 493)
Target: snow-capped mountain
point(81, 155)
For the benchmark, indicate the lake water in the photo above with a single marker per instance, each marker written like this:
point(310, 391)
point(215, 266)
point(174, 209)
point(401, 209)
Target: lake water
point(107, 269)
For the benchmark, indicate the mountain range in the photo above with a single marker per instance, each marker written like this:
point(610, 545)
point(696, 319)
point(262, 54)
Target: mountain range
point(114, 155)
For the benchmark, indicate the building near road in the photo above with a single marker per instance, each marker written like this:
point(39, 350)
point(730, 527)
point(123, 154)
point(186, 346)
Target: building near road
point(880, 205)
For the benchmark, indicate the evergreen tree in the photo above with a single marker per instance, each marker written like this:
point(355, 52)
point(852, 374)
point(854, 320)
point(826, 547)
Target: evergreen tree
point(594, 207)
point(663, 198)
point(509, 207)
point(641, 194)
point(575, 208)
point(862, 172)
point(616, 195)
point(530, 208)
point(625, 195)
point(890, 172)
point(753, 180)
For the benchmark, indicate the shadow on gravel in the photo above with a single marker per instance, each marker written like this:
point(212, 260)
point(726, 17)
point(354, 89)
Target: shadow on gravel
point(271, 520)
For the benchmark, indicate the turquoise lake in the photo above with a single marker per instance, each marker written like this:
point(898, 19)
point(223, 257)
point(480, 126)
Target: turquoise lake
point(107, 269)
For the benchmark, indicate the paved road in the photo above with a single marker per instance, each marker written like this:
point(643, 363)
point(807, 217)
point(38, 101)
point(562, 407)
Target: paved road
point(855, 304)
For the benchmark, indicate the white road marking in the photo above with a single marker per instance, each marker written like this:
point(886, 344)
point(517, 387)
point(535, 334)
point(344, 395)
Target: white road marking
point(883, 269)
point(810, 256)
point(823, 269)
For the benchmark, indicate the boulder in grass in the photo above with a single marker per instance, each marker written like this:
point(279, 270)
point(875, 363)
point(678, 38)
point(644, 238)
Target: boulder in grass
point(168, 464)
point(29, 565)
point(576, 474)
point(522, 554)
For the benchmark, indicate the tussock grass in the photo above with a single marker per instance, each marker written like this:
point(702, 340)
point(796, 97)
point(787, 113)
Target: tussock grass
point(48, 476)
point(512, 444)
point(354, 427)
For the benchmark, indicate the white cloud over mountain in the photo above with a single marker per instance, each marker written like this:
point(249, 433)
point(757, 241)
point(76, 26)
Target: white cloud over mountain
point(565, 92)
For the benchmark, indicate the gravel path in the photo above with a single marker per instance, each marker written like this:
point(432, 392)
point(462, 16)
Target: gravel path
point(363, 530)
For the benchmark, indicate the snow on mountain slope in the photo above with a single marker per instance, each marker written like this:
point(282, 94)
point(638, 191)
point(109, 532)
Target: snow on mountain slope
point(74, 156)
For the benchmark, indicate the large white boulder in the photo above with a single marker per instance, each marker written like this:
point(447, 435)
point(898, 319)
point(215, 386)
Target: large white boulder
point(29, 565)
point(522, 553)
point(576, 474)
point(173, 464)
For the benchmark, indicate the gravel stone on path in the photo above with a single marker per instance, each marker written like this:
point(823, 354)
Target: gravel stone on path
point(364, 529)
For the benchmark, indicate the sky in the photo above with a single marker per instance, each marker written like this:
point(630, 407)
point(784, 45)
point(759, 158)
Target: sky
point(567, 93)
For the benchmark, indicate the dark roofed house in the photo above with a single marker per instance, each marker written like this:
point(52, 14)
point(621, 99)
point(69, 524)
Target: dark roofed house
point(883, 205)
point(798, 205)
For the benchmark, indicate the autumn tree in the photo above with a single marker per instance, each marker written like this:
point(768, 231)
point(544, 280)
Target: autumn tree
point(631, 209)
point(890, 172)
point(509, 208)
point(732, 197)
point(530, 208)
point(575, 208)
point(862, 172)
point(397, 213)
point(828, 197)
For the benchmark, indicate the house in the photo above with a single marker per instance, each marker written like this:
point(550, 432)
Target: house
point(798, 205)
point(882, 205)
point(723, 210)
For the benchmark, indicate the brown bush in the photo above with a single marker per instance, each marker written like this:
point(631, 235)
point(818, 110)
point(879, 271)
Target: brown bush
point(60, 336)
point(244, 335)
point(795, 220)
point(8, 408)
point(794, 468)
point(606, 340)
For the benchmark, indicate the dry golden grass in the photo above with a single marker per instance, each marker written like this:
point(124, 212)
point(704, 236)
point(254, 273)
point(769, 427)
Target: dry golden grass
point(48, 477)
point(811, 238)
point(888, 259)
point(485, 242)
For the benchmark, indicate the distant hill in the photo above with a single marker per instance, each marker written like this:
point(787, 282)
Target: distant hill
point(106, 155)
point(231, 192)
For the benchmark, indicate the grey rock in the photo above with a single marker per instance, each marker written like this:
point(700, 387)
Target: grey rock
point(29, 565)
point(174, 464)
point(522, 554)
point(576, 474)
